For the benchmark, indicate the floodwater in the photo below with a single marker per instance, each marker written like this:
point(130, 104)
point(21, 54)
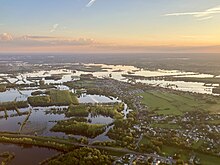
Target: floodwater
point(15, 95)
point(41, 122)
point(117, 72)
point(27, 155)
point(85, 98)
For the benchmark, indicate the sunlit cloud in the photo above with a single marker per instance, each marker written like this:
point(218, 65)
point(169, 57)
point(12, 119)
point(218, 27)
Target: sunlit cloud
point(200, 15)
point(42, 41)
point(91, 2)
point(205, 18)
point(6, 37)
point(54, 28)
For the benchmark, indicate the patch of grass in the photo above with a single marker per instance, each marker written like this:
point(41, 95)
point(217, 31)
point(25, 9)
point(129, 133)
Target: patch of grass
point(77, 110)
point(2, 88)
point(185, 155)
point(72, 126)
point(54, 97)
point(64, 97)
point(168, 103)
point(13, 105)
point(214, 122)
point(156, 102)
point(79, 84)
point(197, 144)
point(113, 111)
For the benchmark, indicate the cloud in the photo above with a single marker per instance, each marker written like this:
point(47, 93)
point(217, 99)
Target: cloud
point(200, 15)
point(6, 37)
point(205, 18)
point(91, 2)
point(42, 41)
point(71, 42)
point(27, 37)
point(54, 28)
point(51, 43)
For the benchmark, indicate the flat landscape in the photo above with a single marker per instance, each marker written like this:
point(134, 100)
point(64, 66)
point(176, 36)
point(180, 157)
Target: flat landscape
point(109, 82)
point(96, 109)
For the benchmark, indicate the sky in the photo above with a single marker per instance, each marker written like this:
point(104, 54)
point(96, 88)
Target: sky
point(110, 26)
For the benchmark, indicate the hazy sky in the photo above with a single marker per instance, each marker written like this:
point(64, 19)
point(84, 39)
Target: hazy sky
point(110, 25)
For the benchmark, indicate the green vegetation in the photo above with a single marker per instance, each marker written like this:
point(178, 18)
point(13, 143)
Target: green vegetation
point(214, 122)
point(13, 105)
point(48, 142)
point(25, 121)
point(82, 156)
point(78, 110)
point(62, 97)
point(37, 93)
point(2, 88)
point(171, 103)
point(150, 145)
point(109, 110)
point(54, 97)
point(113, 111)
point(122, 134)
point(39, 100)
point(216, 90)
point(185, 155)
point(79, 84)
point(197, 144)
point(7, 157)
point(90, 68)
point(72, 126)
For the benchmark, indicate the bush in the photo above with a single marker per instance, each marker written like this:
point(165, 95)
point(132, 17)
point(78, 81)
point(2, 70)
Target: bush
point(13, 105)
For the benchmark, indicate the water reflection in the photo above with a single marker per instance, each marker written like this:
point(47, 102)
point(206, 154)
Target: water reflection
point(27, 155)
point(116, 72)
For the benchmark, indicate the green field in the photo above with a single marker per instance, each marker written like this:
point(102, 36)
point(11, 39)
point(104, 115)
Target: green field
point(197, 144)
point(169, 103)
point(71, 126)
point(79, 84)
point(185, 155)
point(54, 97)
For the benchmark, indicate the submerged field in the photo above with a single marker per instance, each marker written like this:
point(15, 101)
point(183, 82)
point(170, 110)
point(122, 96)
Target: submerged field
point(86, 107)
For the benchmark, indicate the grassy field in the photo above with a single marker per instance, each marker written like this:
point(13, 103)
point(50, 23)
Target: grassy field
point(197, 144)
point(71, 126)
point(185, 155)
point(54, 97)
point(80, 84)
point(168, 103)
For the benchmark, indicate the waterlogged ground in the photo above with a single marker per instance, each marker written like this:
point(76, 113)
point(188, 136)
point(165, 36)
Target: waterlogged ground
point(28, 154)
point(117, 72)
point(41, 122)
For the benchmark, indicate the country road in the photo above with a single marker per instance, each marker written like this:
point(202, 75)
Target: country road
point(63, 141)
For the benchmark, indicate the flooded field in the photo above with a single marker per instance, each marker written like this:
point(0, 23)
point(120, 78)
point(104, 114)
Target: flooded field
point(27, 154)
point(41, 120)
point(118, 72)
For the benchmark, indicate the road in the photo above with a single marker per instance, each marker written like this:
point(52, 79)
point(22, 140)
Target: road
point(62, 141)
